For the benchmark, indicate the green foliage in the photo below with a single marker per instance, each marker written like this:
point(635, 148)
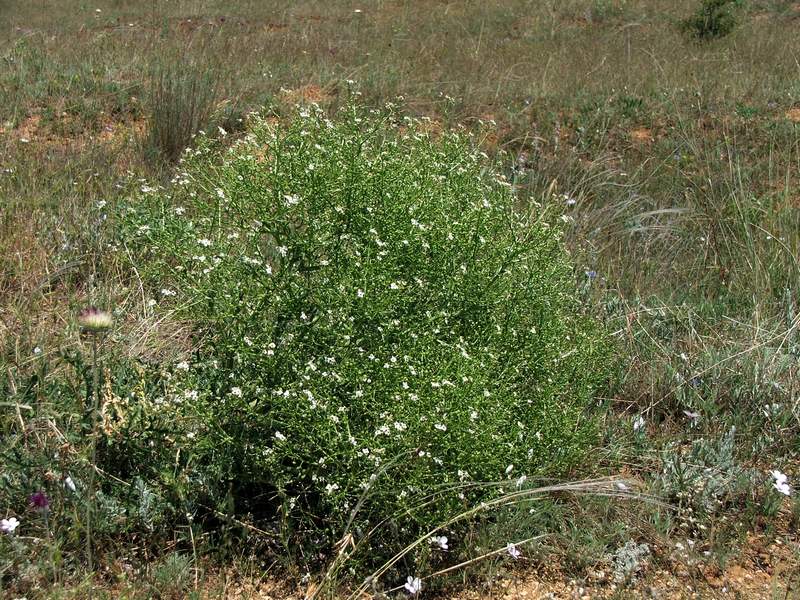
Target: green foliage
point(373, 318)
point(712, 19)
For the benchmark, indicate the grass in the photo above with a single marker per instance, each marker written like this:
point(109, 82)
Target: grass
point(674, 163)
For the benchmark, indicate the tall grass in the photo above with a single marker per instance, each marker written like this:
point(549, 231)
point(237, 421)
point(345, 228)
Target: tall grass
point(182, 98)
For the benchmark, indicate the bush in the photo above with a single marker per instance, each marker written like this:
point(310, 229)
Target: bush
point(712, 19)
point(374, 320)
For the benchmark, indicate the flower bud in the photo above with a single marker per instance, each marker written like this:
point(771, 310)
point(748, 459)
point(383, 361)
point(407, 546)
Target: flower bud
point(40, 501)
point(94, 320)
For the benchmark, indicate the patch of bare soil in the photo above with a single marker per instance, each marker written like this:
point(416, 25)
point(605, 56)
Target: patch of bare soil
point(67, 134)
point(306, 94)
point(793, 114)
point(642, 135)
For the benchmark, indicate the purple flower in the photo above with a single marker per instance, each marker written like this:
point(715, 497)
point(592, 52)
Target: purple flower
point(591, 274)
point(40, 501)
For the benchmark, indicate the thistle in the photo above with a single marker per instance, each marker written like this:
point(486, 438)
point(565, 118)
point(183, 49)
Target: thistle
point(40, 501)
point(94, 320)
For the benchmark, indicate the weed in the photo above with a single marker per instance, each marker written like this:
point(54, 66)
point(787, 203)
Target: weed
point(713, 19)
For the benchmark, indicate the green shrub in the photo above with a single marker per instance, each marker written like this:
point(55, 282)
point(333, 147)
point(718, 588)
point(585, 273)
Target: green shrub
point(712, 19)
point(372, 317)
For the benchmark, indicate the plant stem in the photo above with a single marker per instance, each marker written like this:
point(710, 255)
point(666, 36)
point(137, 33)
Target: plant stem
point(93, 460)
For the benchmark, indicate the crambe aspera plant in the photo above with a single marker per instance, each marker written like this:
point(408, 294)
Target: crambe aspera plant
point(360, 290)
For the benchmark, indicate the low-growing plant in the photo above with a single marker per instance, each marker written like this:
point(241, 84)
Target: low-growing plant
point(712, 19)
point(374, 320)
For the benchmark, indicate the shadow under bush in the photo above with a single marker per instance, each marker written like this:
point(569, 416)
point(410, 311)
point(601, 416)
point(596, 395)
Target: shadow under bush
point(374, 320)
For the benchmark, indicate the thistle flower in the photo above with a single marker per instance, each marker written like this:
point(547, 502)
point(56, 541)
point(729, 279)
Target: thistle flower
point(93, 320)
point(40, 501)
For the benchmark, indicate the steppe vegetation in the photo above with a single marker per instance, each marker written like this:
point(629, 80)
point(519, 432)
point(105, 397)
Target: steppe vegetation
point(441, 292)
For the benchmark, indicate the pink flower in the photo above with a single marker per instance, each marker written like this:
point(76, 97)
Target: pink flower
point(9, 525)
point(513, 552)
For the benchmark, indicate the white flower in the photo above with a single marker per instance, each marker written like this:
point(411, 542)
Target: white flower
point(69, 484)
point(781, 483)
point(182, 366)
point(413, 585)
point(9, 525)
point(360, 293)
point(440, 427)
point(509, 468)
point(204, 242)
point(638, 424)
point(179, 210)
point(290, 200)
point(439, 540)
point(37, 351)
point(280, 437)
point(167, 292)
point(236, 391)
point(331, 487)
point(512, 551)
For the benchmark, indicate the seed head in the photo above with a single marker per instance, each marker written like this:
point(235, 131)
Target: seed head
point(94, 320)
